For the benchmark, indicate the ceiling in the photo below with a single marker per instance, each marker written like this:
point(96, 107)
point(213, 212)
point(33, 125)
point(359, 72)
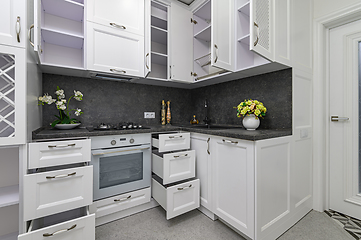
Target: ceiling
point(188, 2)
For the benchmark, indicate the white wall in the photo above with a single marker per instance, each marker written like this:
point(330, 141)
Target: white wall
point(325, 7)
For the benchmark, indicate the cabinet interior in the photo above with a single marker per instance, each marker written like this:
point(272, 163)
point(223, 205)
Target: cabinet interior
point(159, 41)
point(62, 33)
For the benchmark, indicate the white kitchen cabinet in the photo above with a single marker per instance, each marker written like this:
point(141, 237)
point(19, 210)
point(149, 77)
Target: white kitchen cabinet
point(234, 182)
point(125, 15)
point(201, 144)
point(59, 33)
point(13, 27)
point(12, 92)
point(171, 141)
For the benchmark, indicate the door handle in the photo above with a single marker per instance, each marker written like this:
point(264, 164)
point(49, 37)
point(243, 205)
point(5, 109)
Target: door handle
point(337, 118)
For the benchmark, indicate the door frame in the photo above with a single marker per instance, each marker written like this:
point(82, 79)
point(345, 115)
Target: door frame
point(321, 120)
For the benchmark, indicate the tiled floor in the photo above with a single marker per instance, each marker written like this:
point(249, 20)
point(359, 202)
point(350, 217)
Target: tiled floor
point(351, 225)
point(152, 225)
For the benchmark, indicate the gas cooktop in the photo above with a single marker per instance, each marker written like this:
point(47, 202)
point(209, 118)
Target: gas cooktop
point(120, 126)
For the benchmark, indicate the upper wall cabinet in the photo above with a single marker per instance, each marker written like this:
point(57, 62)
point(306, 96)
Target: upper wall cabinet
point(12, 19)
point(127, 15)
point(59, 33)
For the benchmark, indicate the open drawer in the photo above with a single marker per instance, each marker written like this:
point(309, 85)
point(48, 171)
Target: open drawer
point(75, 225)
point(171, 141)
point(174, 167)
point(48, 193)
point(178, 198)
point(121, 202)
point(46, 154)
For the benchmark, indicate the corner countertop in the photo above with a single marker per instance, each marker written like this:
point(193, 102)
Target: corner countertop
point(233, 132)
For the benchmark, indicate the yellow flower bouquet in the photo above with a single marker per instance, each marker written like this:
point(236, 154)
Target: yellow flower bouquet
point(250, 106)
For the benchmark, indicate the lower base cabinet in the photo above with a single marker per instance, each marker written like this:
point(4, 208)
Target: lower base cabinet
point(177, 198)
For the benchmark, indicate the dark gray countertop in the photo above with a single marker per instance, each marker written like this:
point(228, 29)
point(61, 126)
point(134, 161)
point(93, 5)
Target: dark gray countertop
point(233, 132)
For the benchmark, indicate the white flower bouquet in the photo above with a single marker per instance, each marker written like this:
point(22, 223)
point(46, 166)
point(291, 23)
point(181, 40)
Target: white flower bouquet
point(63, 106)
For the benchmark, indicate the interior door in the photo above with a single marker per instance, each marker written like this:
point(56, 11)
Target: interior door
point(344, 150)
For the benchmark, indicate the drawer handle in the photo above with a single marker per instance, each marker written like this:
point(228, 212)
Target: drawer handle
point(209, 153)
point(117, 26)
point(122, 199)
point(62, 146)
point(60, 231)
point(176, 136)
point(184, 155)
point(182, 188)
point(117, 70)
point(61, 176)
point(228, 141)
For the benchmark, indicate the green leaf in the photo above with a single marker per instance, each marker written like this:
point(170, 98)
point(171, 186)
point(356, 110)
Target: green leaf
point(55, 122)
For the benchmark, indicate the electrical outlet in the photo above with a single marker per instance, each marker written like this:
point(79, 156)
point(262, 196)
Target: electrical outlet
point(149, 114)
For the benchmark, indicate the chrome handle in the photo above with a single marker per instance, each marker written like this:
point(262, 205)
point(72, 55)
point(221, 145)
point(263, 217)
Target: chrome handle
point(62, 146)
point(29, 35)
point(337, 118)
point(117, 70)
point(256, 42)
point(59, 231)
point(182, 188)
point(216, 47)
point(61, 176)
point(170, 71)
point(18, 28)
point(176, 136)
point(122, 199)
point(146, 61)
point(229, 141)
point(209, 153)
point(98, 154)
point(184, 155)
point(117, 26)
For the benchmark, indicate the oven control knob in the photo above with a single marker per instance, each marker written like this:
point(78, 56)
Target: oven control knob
point(113, 142)
point(131, 140)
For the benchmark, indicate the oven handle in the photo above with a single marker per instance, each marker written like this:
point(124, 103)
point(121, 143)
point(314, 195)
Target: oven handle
point(119, 151)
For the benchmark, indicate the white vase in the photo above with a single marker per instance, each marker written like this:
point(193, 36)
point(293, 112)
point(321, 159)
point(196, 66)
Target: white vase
point(67, 126)
point(250, 122)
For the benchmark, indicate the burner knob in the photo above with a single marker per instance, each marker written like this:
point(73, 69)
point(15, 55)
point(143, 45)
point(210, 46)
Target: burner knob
point(113, 142)
point(131, 140)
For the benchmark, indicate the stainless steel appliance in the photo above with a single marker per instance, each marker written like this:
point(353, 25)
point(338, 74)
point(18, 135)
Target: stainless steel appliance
point(121, 163)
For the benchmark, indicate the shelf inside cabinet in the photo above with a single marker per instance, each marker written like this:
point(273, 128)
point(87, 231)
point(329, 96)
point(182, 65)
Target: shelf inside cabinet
point(159, 58)
point(71, 9)
point(158, 22)
point(159, 48)
point(204, 12)
point(159, 11)
point(204, 34)
point(9, 195)
point(159, 35)
point(56, 55)
point(244, 39)
point(62, 39)
point(63, 25)
point(159, 72)
point(245, 8)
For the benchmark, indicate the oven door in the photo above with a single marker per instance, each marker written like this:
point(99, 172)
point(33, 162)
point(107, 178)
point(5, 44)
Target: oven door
point(120, 170)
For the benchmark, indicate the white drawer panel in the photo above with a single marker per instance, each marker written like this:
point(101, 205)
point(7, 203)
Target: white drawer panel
point(46, 154)
point(120, 202)
point(52, 192)
point(174, 167)
point(77, 229)
point(172, 142)
point(177, 199)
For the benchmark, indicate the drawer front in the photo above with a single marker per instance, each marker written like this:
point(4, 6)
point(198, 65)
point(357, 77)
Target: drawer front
point(77, 229)
point(57, 191)
point(174, 167)
point(121, 202)
point(48, 154)
point(174, 142)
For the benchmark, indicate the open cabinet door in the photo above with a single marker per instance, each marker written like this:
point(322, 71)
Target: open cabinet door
point(147, 38)
point(222, 35)
point(261, 28)
point(37, 29)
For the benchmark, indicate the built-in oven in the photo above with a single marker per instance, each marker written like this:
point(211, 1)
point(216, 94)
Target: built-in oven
point(121, 164)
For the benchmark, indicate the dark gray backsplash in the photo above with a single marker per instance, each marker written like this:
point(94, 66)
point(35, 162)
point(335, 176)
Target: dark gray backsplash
point(113, 102)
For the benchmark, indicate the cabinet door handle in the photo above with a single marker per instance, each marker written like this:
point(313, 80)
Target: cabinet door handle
point(228, 141)
point(216, 47)
point(29, 35)
point(59, 231)
point(257, 39)
point(62, 146)
point(146, 61)
point(18, 28)
point(184, 155)
point(117, 70)
point(337, 118)
point(209, 153)
point(182, 188)
point(176, 136)
point(122, 199)
point(61, 176)
point(117, 26)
